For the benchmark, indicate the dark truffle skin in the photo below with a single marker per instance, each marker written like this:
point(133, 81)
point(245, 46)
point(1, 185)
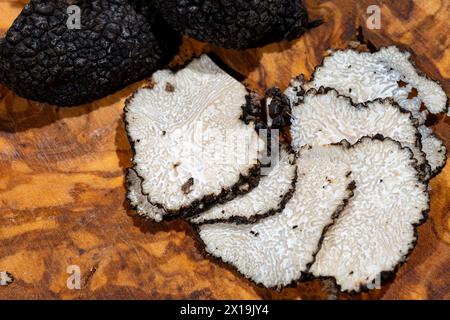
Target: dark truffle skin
point(278, 112)
point(119, 42)
point(279, 109)
point(236, 24)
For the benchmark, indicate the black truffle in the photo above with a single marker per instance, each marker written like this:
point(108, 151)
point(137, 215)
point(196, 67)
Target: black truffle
point(279, 109)
point(118, 42)
point(278, 250)
point(236, 24)
point(376, 231)
point(270, 112)
point(191, 148)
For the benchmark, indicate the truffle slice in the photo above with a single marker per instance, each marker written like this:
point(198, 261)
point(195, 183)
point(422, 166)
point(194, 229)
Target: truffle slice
point(279, 249)
point(269, 197)
point(376, 231)
point(139, 201)
point(325, 117)
point(434, 149)
point(191, 148)
point(47, 58)
point(365, 76)
point(236, 24)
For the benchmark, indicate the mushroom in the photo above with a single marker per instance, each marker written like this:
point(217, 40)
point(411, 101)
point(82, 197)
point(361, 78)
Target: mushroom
point(278, 250)
point(191, 148)
point(269, 197)
point(376, 231)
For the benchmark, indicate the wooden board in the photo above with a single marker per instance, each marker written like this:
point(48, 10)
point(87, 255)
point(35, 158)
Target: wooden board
point(62, 195)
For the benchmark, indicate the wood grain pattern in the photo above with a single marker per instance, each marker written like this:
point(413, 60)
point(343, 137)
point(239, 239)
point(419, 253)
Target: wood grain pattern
point(62, 189)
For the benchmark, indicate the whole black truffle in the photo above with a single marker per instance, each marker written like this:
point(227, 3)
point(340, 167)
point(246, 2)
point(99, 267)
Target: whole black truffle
point(118, 42)
point(236, 24)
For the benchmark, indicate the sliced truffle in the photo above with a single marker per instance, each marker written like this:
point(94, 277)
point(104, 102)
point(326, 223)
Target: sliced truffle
point(269, 197)
point(191, 147)
point(139, 201)
point(43, 58)
point(236, 24)
point(326, 117)
point(278, 249)
point(435, 150)
point(376, 230)
point(366, 76)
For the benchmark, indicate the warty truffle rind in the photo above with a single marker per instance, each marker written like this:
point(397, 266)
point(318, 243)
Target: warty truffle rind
point(376, 231)
point(236, 24)
point(42, 59)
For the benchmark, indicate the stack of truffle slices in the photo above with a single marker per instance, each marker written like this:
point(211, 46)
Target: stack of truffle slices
point(387, 77)
point(342, 201)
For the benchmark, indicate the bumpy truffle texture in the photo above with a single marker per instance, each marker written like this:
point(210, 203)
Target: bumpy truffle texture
point(270, 112)
point(269, 197)
point(236, 24)
point(278, 109)
point(435, 150)
point(376, 230)
point(278, 249)
point(43, 59)
point(139, 201)
point(191, 147)
point(326, 117)
point(143, 7)
point(365, 76)
point(253, 111)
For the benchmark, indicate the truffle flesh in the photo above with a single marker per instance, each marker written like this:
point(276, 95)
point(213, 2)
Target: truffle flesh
point(191, 147)
point(47, 57)
point(389, 72)
point(435, 150)
point(326, 117)
point(365, 76)
point(278, 250)
point(6, 278)
point(376, 230)
point(269, 197)
point(236, 24)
